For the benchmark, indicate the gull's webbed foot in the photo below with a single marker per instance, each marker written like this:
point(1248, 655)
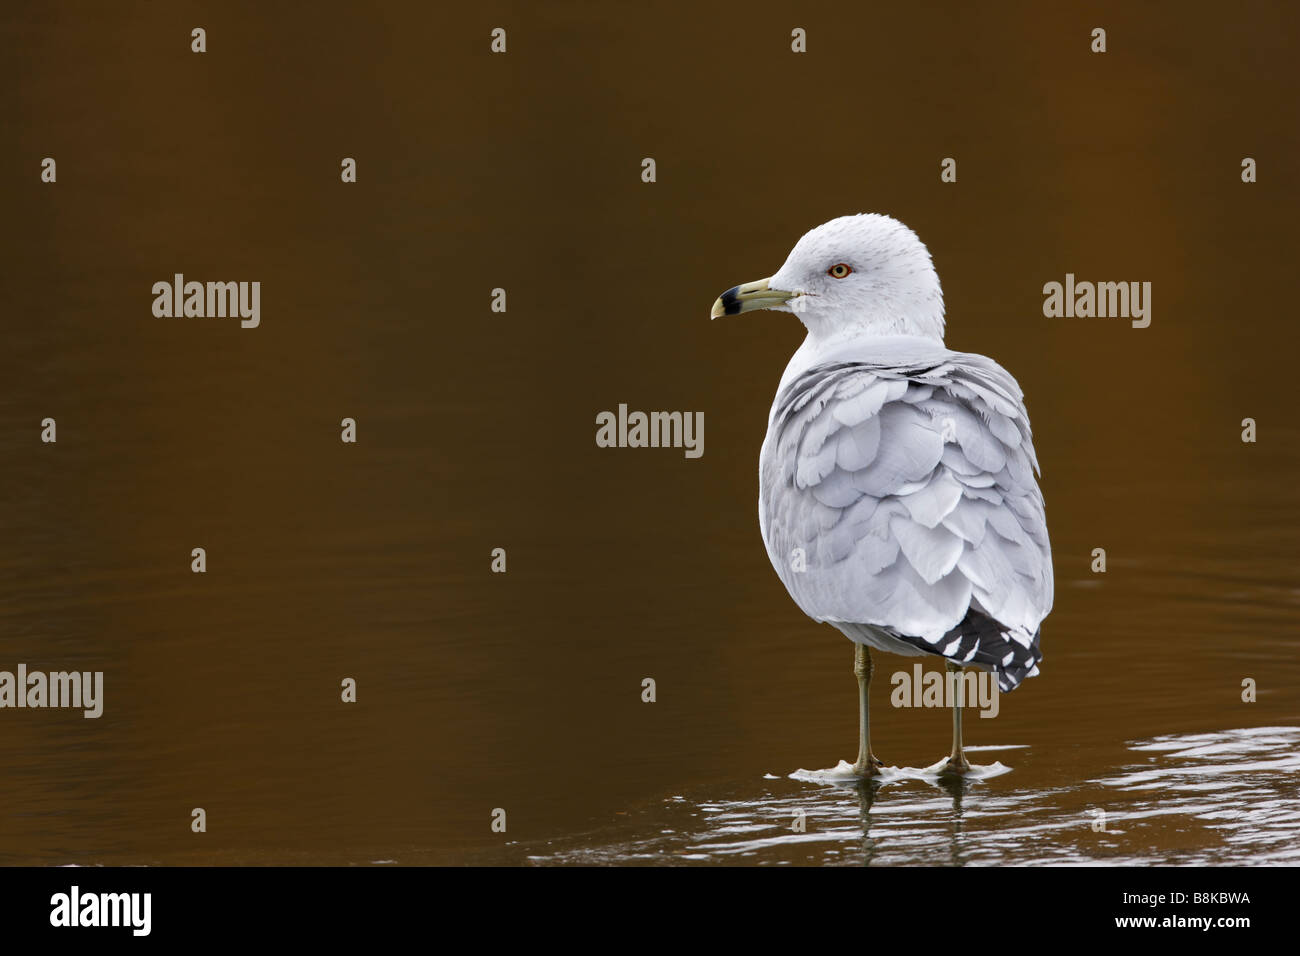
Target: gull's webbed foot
point(955, 766)
point(870, 768)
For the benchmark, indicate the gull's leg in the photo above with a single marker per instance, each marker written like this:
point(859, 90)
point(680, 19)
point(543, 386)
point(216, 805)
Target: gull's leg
point(957, 762)
point(867, 765)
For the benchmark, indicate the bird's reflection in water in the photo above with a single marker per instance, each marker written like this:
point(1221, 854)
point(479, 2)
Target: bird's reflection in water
point(867, 791)
point(870, 790)
point(955, 786)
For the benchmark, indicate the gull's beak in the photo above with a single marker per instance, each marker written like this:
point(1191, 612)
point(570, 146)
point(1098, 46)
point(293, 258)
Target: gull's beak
point(748, 297)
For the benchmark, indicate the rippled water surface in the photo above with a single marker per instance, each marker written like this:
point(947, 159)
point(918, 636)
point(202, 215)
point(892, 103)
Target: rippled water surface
point(1199, 799)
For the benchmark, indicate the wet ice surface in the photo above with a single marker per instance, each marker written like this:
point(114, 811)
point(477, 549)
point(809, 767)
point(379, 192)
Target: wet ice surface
point(842, 773)
point(1231, 797)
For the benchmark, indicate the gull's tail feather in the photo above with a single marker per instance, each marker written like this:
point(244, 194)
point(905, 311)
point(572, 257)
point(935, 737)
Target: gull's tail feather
point(1012, 654)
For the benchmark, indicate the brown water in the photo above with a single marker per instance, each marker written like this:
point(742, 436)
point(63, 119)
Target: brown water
point(522, 691)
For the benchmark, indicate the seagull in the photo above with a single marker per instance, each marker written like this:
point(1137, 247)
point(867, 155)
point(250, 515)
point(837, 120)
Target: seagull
point(897, 491)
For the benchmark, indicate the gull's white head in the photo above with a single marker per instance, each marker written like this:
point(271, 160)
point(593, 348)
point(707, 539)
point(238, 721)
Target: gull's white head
point(866, 273)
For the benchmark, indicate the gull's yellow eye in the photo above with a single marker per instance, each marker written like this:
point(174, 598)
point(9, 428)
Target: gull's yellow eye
point(838, 271)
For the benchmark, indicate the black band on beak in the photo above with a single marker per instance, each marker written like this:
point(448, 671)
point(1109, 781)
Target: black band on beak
point(730, 301)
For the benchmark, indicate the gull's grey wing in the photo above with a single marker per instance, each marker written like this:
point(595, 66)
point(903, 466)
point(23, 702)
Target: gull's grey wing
point(903, 497)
